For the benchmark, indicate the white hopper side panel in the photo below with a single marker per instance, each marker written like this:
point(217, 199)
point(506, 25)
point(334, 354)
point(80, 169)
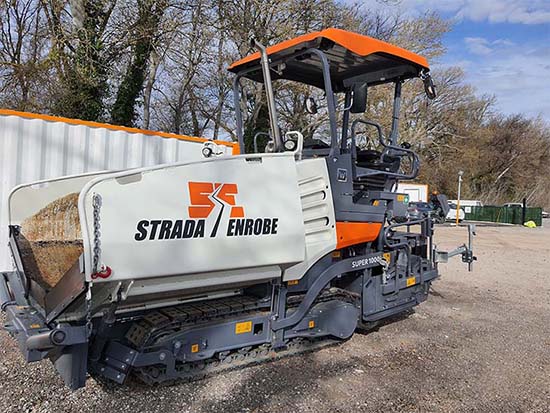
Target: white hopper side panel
point(262, 188)
point(35, 148)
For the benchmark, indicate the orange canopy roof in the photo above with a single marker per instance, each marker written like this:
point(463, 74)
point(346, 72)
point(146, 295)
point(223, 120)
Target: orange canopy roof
point(356, 43)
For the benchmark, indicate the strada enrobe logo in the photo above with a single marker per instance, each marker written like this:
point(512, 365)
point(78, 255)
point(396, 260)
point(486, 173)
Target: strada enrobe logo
point(205, 196)
point(211, 205)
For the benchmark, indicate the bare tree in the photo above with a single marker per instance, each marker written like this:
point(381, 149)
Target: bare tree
point(23, 66)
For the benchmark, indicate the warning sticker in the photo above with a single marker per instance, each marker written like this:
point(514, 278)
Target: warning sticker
point(244, 327)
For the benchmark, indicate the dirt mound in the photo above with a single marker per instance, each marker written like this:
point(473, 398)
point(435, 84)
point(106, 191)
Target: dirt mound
point(51, 241)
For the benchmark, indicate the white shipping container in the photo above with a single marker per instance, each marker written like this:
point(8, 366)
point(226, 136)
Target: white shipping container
point(416, 192)
point(467, 204)
point(36, 147)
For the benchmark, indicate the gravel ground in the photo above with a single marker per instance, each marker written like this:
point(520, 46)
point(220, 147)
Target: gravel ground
point(480, 343)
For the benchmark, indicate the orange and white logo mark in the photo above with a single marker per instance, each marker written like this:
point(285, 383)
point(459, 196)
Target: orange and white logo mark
point(211, 206)
point(204, 196)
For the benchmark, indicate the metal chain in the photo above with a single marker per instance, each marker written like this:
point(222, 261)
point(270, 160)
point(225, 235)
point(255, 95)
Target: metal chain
point(96, 203)
point(96, 254)
point(89, 309)
point(385, 266)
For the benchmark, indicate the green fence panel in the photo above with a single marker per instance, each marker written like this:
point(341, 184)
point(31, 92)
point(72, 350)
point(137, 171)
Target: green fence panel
point(504, 215)
point(534, 214)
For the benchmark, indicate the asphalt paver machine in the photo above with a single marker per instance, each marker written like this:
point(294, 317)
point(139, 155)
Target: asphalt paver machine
point(178, 271)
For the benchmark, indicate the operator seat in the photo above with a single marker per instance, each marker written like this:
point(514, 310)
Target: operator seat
point(373, 159)
point(312, 143)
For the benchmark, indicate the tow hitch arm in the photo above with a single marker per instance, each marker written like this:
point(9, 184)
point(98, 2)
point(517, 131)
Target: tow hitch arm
point(466, 251)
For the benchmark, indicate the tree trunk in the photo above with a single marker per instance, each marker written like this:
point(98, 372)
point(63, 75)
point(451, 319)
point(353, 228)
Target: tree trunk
point(82, 68)
point(146, 28)
point(155, 62)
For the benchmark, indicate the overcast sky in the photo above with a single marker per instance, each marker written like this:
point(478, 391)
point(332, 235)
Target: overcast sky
point(502, 45)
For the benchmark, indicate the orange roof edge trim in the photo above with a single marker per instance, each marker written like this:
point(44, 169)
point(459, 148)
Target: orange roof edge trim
point(354, 42)
point(91, 124)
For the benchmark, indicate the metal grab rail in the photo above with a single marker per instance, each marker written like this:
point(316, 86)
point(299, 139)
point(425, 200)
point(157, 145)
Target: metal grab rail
point(256, 136)
point(273, 62)
point(264, 60)
point(415, 161)
point(390, 228)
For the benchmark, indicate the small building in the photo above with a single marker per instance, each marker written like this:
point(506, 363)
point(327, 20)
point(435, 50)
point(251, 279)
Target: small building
point(416, 192)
